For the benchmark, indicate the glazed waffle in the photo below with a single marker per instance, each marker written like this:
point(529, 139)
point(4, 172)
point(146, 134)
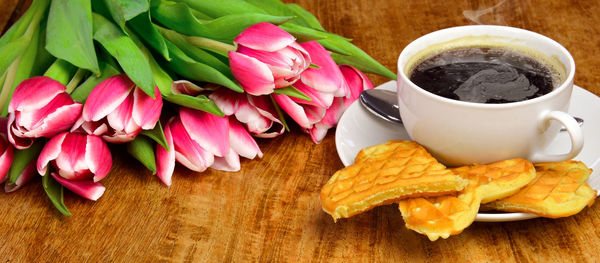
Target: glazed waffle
point(383, 174)
point(559, 190)
point(449, 215)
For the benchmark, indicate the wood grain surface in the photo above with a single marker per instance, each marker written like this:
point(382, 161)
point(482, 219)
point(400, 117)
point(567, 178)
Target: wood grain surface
point(270, 211)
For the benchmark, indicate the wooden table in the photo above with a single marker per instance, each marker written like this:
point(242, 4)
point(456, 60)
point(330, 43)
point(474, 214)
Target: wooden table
point(270, 211)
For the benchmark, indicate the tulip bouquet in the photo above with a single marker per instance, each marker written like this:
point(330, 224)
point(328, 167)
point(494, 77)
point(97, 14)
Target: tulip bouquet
point(188, 81)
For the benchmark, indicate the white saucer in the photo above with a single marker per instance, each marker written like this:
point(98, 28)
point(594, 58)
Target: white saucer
point(358, 129)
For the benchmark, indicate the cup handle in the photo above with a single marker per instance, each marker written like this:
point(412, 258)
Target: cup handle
point(575, 133)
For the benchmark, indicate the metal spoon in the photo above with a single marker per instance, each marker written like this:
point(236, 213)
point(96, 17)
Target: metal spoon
point(383, 103)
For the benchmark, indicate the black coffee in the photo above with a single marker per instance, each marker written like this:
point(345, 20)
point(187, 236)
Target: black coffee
point(485, 75)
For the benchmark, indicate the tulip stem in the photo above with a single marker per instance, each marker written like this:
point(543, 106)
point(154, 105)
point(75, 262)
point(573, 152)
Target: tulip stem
point(201, 42)
point(212, 45)
point(79, 75)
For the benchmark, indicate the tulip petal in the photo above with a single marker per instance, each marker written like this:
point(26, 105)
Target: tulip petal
point(34, 93)
point(121, 120)
point(305, 115)
point(146, 110)
point(26, 175)
point(60, 120)
point(50, 152)
point(71, 161)
point(208, 130)
point(250, 115)
point(317, 98)
point(30, 120)
point(165, 160)
point(87, 189)
point(187, 151)
point(265, 107)
point(255, 77)
point(330, 120)
point(356, 81)
point(241, 141)
point(186, 87)
point(106, 97)
point(227, 100)
point(4, 125)
point(264, 36)
point(326, 78)
point(97, 157)
point(6, 158)
point(229, 163)
point(284, 63)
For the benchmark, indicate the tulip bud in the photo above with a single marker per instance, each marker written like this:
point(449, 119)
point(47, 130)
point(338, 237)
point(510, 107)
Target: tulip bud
point(267, 58)
point(118, 110)
point(39, 107)
point(200, 140)
point(78, 161)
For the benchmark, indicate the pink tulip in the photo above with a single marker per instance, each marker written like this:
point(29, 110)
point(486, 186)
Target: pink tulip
point(118, 110)
point(267, 58)
point(26, 175)
point(356, 82)
point(6, 150)
point(256, 112)
point(200, 140)
point(78, 161)
point(39, 107)
point(321, 85)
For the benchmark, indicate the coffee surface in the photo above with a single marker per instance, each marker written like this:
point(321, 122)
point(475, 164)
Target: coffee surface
point(484, 75)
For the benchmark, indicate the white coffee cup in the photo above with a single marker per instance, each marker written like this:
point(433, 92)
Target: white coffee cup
point(461, 133)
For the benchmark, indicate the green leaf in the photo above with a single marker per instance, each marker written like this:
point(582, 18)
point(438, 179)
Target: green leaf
point(191, 69)
point(157, 135)
point(304, 34)
point(55, 192)
point(22, 158)
point(218, 8)
point(179, 17)
point(147, 31)
point(24, 68)
point(200, 102)
point(11, 51)
point(196, 53)
point(61, 71)
point(43, 59)
point(142, 149)
point(306, 16)
point(69, 33)
point(18, 28)
point(277, 8)
point(124, 10)
point(357, 58)
point(279, 113)
point(81, 93)
point(161, 77)
point(129, 56)
point(16, 40)
point(292, 92)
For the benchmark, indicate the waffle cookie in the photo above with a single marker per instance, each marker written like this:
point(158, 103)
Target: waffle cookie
point(441, 216)
point(500, 179)
point(383, 174)
point(449, 215)
point(559, 190)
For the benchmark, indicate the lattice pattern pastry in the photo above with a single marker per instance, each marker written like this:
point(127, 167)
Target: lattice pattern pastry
point(383, 174)
point(559, 190)
point(450, 215)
